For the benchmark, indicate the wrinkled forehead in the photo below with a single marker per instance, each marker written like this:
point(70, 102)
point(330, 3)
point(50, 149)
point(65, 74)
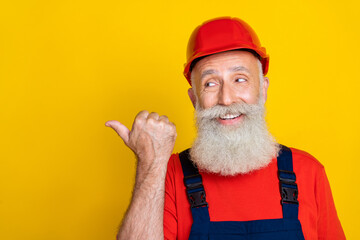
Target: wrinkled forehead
point(234, 61)
point(194, 63)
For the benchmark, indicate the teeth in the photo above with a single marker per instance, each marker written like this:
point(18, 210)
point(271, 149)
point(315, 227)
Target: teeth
point(229, 116)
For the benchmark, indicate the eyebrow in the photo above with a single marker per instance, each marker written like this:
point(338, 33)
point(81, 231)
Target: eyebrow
point(233, 69)
point(239, 69)
point(207, 72)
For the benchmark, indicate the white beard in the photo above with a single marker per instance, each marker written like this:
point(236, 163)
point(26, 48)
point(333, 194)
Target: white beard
point(231, 150)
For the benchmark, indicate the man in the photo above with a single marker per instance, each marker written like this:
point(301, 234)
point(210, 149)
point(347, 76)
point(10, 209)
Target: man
point(235, 182)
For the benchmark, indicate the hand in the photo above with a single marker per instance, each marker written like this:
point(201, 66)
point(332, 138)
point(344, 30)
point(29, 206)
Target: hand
point(151, 138)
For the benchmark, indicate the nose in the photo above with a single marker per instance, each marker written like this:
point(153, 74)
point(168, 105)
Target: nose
point(226, 95)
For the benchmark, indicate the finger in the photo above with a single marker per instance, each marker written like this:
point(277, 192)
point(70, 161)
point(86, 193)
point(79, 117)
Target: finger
point(120, 129)
point(143, 114)
point(154, 116)
point(140, 119)
point(164, 118)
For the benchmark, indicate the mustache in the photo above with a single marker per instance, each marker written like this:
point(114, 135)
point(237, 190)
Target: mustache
point(235, 109)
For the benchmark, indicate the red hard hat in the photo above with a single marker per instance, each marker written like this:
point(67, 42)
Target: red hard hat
point(220, 35)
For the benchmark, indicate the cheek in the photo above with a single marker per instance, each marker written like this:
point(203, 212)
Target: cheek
point(249, 95)
point(208, 100)
point(254, 96)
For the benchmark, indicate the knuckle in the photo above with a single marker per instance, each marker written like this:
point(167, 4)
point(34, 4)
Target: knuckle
point(172, 125)
point(151, 121)
point(154, 114)
point(139, 121)
point(171, 128)
point(144, 112)
point(160, 124)
point(165, 121)
point(141, 115)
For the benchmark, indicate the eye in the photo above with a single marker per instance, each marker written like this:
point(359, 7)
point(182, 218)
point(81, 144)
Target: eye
point(240, 80)
point(210, 84)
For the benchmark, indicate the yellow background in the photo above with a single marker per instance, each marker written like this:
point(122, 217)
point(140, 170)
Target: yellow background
point(68, 66)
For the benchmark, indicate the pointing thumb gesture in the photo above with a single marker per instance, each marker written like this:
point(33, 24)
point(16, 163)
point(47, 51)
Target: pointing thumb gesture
point(151, 138)
point(120, 129)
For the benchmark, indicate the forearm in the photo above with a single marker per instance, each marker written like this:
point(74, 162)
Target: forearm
point(152, 139)
point(144, 218)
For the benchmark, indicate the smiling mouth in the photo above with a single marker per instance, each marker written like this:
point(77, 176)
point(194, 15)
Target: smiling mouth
point(229, 116)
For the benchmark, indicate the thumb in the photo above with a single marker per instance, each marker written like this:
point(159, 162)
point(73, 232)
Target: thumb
point(120, 129)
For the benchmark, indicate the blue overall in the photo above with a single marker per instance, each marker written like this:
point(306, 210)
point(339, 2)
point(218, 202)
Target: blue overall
point(288, 227)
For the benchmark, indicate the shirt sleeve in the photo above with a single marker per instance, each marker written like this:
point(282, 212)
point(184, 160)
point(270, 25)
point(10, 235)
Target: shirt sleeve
point(170, 213)
point(329, 226)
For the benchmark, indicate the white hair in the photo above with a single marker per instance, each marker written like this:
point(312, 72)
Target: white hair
point(231, 150)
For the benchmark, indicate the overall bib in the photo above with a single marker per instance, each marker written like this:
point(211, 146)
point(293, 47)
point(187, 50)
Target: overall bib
point(285, 228)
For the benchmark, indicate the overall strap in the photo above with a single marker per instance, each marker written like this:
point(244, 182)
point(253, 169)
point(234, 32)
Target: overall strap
point(194, 188)
point(287, 183)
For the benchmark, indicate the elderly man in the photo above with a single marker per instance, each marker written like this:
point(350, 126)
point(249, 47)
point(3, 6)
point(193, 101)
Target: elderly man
point(235, 182)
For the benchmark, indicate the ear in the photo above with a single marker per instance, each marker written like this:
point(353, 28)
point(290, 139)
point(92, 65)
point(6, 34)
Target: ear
point(192, 96)
point(265, 88)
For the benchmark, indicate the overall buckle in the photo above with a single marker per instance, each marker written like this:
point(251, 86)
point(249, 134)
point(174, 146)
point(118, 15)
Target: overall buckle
point(289, 195)
point(197, 199)
point(195, 191)
point(288, 187)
